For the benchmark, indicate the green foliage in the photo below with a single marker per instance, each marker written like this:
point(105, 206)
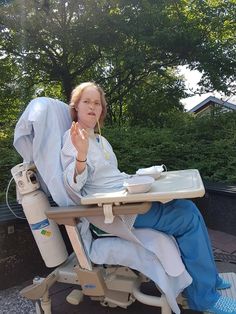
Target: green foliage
point(206, 144)
point(181, 142)
point(156, 97)
point(127, 46)
point(9, 158)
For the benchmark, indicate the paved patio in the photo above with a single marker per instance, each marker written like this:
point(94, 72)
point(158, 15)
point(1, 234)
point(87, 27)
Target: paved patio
point(224, 246)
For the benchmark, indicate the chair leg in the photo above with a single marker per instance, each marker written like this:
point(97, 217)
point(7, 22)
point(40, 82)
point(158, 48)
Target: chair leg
point(152, 300)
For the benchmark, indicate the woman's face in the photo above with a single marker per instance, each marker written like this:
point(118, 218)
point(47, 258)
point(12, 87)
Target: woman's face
point(89, 107)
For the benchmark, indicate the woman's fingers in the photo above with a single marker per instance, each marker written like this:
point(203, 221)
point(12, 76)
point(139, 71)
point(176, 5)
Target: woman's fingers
point(79, 138)
point(83, 133)
point(75, 130)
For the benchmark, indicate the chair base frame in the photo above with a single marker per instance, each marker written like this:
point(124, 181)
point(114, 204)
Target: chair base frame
point(112, 286)
point(120, 286)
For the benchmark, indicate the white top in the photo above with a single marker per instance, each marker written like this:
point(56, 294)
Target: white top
point(101, 174)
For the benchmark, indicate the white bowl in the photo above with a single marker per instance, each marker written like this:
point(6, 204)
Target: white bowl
point(138, 184)
point(154, 171)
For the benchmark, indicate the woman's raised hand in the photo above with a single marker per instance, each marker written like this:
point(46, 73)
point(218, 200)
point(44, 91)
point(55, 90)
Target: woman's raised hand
point(80, 139)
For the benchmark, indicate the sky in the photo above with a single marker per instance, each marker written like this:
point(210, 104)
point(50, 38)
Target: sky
point(192, 78)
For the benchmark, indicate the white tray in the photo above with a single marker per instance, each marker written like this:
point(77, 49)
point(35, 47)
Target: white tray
point(171, 185)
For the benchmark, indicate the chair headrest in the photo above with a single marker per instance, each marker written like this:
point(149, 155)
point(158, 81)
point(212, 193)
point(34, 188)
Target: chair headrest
point(38, 138)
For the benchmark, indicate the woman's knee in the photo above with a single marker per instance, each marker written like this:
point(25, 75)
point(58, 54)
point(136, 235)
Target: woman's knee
point(187, 206)
point(189, 211)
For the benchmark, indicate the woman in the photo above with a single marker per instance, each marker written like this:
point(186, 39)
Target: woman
point(90, 166)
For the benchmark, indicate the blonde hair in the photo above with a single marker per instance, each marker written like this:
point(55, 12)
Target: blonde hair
point(75, 98)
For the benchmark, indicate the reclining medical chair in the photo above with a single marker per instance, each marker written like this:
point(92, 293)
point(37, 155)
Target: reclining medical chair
point(107, 269)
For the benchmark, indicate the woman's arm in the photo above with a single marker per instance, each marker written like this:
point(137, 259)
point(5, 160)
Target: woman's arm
point(80, 140)
point(75, 178)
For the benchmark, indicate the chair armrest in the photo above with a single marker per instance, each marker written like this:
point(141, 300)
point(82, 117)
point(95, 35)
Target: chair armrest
point(69, 215)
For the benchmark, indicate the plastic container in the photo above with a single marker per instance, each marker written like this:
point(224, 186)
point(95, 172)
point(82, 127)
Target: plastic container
point(138, 184)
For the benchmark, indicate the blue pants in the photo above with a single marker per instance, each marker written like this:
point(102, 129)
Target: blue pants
point(182, 219)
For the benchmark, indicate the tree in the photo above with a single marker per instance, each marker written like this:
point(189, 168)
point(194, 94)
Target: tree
point(119, 44)
point(199, 33)
point(52, 41)
point(130, 47)
point(148, 104)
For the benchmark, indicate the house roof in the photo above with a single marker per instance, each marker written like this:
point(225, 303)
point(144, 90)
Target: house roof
point(215, 100)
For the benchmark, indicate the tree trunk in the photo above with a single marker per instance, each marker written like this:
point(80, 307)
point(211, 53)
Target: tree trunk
point(67, 85)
